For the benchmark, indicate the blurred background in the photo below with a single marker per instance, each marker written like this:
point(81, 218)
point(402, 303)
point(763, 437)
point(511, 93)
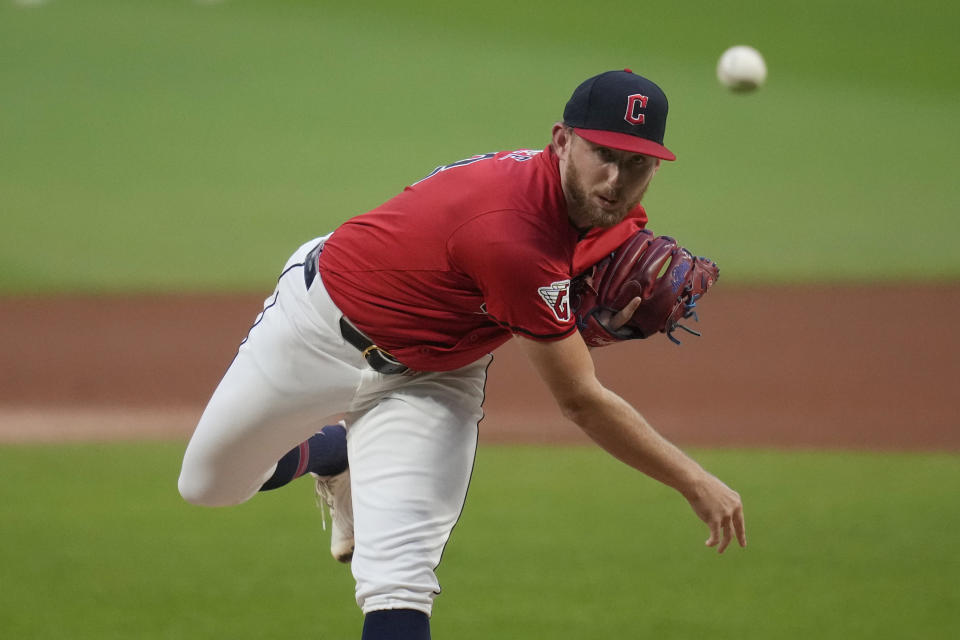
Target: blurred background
point(159, 160)
point(175, 145)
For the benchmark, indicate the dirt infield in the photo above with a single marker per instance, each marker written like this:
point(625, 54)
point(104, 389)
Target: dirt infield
point(840, 367)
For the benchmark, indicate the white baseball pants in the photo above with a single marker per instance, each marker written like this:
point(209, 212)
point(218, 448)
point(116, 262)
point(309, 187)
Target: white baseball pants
point(411, 438)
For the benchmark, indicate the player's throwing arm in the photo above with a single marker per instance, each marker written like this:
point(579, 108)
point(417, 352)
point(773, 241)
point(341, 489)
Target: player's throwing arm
point(646, 286)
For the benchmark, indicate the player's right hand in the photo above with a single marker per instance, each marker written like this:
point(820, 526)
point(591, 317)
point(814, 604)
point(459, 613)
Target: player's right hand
point(721, 508)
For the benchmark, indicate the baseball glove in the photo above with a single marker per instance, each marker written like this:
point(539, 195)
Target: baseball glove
point(668, 278)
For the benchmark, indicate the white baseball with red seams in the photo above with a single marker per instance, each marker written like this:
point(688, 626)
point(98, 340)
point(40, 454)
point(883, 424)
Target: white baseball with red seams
point(741, 68)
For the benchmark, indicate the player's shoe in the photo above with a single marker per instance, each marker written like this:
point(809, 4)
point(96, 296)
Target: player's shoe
point(333, 492)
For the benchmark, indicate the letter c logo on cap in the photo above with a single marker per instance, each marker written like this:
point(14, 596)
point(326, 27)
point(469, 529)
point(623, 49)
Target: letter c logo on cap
point(635, 104)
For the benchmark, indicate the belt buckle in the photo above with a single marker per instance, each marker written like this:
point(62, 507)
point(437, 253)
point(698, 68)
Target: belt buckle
point(375, 356)
point(370, 349)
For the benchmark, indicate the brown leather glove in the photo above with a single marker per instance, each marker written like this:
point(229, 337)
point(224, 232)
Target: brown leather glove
point(667, 277)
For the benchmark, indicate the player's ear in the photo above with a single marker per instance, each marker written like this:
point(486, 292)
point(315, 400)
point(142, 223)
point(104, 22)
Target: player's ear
point(562, 139)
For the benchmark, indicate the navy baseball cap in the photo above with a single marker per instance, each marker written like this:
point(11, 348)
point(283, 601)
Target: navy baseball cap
point(620, 110)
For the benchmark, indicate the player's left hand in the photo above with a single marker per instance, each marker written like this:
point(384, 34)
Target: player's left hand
point(614, 321)
point(656, 271)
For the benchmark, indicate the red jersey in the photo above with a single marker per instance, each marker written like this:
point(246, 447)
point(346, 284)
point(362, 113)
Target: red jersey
point(450, 268)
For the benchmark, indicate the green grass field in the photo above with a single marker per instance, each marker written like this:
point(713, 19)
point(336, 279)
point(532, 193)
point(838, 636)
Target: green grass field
point(175, 145)
point(555, 543)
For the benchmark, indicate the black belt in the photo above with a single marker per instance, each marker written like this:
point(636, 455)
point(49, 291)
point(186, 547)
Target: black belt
point(376, 357)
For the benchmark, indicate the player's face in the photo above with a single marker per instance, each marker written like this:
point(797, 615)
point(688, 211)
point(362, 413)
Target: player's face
point(601, 184)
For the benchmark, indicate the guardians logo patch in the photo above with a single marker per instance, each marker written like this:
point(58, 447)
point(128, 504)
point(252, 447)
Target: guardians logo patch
point(557, 297)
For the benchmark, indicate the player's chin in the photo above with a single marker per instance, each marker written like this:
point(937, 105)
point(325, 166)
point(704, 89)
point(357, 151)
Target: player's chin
point(604, 217)
point(592, 216)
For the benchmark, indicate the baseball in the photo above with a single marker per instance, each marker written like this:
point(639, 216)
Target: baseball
point(741, 68)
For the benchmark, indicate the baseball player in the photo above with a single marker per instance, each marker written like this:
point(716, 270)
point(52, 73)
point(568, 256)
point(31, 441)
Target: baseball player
point(388, 324)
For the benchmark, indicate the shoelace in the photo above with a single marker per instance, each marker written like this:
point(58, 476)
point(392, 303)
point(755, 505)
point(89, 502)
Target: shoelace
point(322, 504)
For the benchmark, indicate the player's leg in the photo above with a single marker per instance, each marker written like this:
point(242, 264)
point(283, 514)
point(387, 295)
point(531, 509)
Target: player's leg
point(322, 454)
point(291, 372)
point(411, 457)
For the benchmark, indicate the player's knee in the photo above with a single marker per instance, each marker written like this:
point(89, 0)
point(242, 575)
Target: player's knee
point(203, 494)
point(191, 491)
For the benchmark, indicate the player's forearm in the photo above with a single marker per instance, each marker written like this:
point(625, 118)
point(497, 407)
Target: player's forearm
point(617, 427)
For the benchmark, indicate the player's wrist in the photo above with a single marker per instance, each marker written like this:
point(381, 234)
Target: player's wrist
point(695, 482)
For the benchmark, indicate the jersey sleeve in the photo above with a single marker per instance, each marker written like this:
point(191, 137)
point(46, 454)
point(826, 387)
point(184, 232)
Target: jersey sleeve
point(521, 271)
